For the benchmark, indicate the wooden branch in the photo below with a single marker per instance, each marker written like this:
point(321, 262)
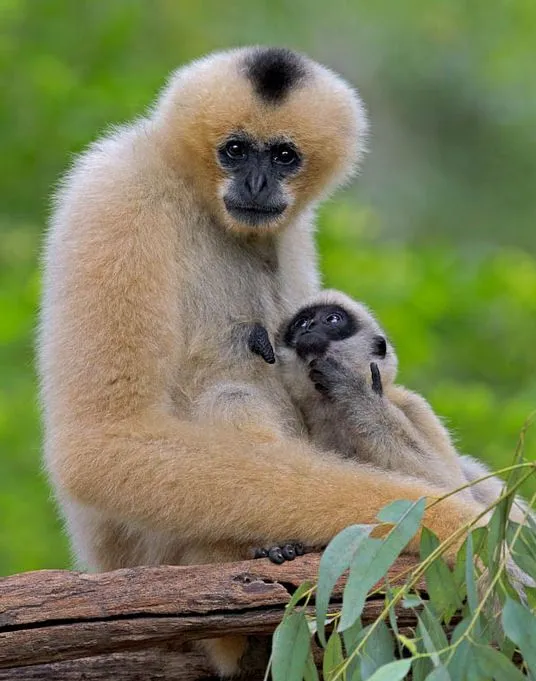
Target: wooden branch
point(137, 623)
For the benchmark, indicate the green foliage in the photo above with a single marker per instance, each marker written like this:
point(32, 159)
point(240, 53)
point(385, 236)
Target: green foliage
point(467, 653)
point(437, 236)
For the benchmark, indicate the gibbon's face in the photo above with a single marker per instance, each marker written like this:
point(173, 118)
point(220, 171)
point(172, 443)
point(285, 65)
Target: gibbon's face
point(260, 134)
point(352, 333)
point(257, 171)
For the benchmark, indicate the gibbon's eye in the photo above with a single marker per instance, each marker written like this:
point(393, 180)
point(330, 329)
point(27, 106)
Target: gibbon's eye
point(284, 155)
point(236, 149)
point(301, 323)
point(333, 319)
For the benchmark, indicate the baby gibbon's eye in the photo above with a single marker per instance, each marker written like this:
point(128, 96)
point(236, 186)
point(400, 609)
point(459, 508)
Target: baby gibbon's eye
point(236, 149)
point(301, 323)
point(333, 319)
point(284, 154)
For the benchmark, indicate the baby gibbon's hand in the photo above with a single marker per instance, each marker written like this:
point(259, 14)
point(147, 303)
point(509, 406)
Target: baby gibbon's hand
point(333, 379)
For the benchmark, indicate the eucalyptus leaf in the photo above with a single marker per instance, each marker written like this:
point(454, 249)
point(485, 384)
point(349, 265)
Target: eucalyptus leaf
point(290, 648)
point(519, 624)
point(395, 511)
point(310, 673)
point(495, 665)
point(470, 582)
point(437, 639)
point(389, 597)
point(375, 557)
point(337, 558)
point(439, 674)
point(522, 547)
point(440, 584)
point(394, 671)
point(298, 595)
point(333, 656)
point(351, 637)
point(457, 662)
point(412, 601)
point(378, 649)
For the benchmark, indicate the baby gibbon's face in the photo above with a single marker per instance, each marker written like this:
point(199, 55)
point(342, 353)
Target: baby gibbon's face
point(313, 328)
point(352, 335)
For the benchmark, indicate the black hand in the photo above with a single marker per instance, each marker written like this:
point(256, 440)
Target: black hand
point(259, 343)
point(325, 373)
point(376, 379)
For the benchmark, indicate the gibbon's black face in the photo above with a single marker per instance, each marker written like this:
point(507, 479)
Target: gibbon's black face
point(313, 328)
point(256, 170)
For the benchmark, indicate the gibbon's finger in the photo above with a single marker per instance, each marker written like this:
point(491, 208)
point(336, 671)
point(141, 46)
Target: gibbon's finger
point(275, 554)
point(259, 343)
point(376, 379)
point(288, 552)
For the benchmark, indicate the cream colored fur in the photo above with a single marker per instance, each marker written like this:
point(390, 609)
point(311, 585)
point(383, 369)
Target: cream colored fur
point(396, 432)
point(143, 273)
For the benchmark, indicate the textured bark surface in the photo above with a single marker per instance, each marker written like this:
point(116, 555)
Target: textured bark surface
point(139, 623)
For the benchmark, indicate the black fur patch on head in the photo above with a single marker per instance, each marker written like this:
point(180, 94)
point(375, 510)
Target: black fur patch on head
point(274, 72)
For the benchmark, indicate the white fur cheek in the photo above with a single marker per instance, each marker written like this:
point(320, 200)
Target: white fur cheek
point(224, 187)
point(287, 195)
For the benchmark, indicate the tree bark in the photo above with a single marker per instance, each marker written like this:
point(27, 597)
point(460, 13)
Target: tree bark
point(138, 623)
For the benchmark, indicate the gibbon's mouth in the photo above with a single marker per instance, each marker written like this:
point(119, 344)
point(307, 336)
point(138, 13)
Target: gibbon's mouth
point(253, 214)
point(311, 343)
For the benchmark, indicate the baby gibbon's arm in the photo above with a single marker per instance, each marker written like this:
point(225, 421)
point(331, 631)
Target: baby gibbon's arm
point(379, 431)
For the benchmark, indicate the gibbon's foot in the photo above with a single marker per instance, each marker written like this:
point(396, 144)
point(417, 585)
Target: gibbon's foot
point(280, 554)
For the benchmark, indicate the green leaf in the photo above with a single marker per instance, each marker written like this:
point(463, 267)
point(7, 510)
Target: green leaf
point(291, 647)
point(394, 671)
point(472, 597)
point(412, 601)
point(389, 597)
point(438, 674)
point(523, 548)
point(298, 595)
point(434, 638)
point(395, 511)
point(333, 656)
point(376, 556)
point(337, 558)
point(378, 649)
point(408, 643)
point(496, 536)
point(519, 625)
point(459, 662)
point(440, 584)
point(351, 638)
point(495, 665)
point(310, 673)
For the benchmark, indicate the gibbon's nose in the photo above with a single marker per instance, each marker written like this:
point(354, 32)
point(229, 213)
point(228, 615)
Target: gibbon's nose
point(255, 182)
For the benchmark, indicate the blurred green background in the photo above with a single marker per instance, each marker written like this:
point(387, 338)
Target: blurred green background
point(438, 235)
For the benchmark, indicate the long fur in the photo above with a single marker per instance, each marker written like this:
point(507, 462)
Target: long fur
point(397, 431)
point(145, 277)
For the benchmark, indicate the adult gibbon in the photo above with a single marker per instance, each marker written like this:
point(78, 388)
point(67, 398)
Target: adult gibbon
point(164, 442)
